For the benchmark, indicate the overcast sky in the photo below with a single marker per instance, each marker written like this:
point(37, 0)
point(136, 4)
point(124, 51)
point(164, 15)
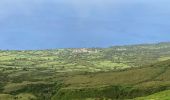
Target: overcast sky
point(45, 24)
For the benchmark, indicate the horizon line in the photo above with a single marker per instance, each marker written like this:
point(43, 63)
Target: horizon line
point(120, 45)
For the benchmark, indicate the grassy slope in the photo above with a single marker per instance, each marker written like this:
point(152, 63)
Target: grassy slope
point(165, 95)
point(22, 96)
point(117, 85)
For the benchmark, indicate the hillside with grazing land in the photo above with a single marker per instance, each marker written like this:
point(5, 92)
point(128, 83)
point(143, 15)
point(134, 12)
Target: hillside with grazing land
point(139, 72)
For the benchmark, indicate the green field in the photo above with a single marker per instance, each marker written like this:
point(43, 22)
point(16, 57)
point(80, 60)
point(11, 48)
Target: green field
point(134, 72)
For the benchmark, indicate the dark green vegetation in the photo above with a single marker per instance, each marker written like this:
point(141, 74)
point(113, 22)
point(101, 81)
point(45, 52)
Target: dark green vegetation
point(116, 73)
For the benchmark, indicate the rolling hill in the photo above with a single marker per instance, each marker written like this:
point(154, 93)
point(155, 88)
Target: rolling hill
point(116, 73)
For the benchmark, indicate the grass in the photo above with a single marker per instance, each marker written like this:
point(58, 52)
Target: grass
point(108, 65)
point(163, 58)
point(6, 97)
point(125, 84)
point(22, 96)
point(164, 95)
point(113, 78)
point(122, 84)
point(13, 87)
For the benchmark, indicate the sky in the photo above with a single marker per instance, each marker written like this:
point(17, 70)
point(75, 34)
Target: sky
point(49, 24)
